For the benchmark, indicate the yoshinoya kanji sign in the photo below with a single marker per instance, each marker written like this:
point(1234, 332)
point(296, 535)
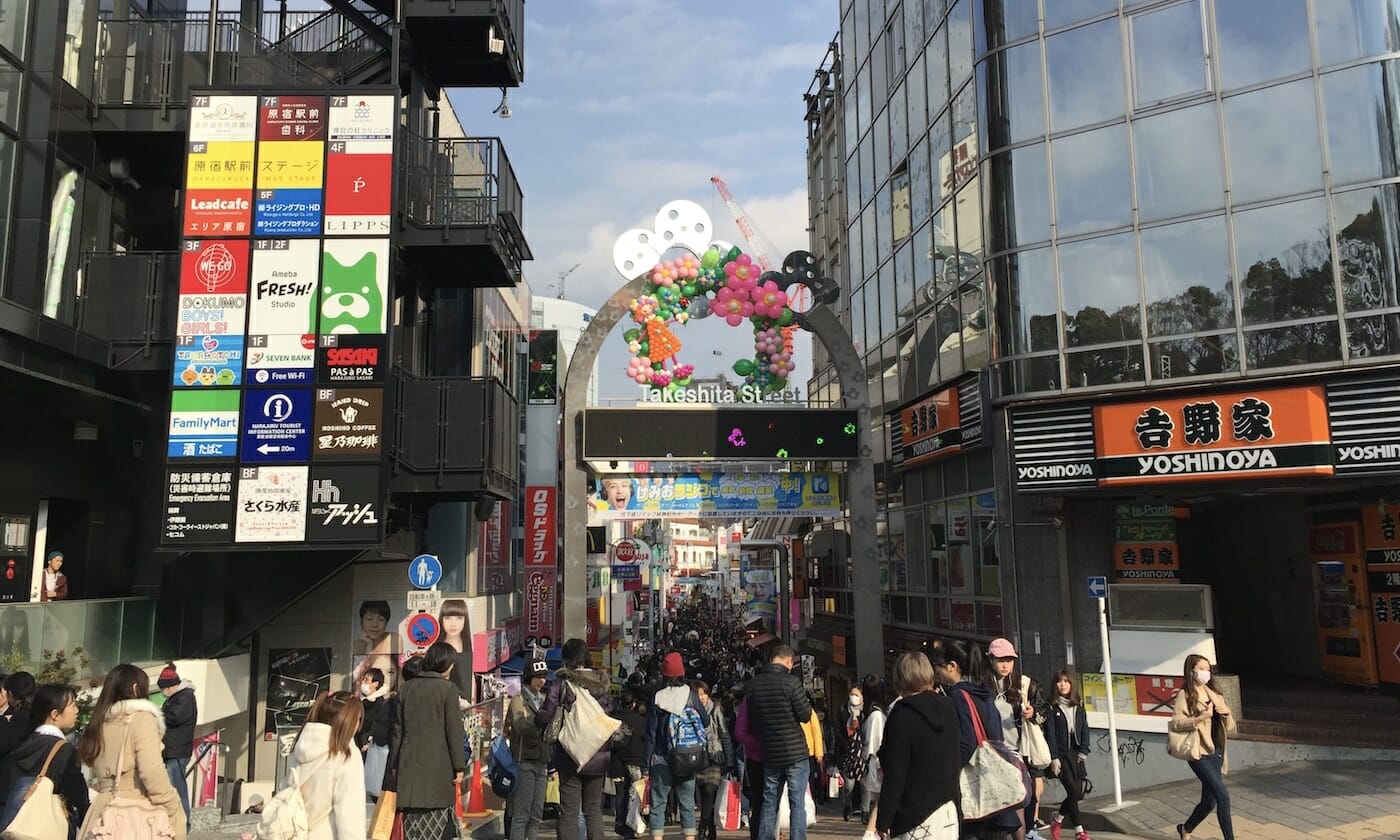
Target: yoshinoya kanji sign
point(943, 423)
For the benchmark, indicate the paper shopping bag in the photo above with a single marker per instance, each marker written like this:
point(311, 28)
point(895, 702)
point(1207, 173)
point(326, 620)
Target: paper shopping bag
point(381, 825)
point(728, 806)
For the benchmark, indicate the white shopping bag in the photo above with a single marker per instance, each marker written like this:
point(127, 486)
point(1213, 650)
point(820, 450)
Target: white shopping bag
point(784, 812)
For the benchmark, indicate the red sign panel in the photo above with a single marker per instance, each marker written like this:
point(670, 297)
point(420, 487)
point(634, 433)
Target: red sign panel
point(358, 193)
point(540, 527)
point(292, 118)
point(494, 568)
point(540, 594)
point(214, 267)
point(1155, 695)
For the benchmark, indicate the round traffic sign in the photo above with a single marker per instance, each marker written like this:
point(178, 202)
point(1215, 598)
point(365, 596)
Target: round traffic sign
point(424, 571)
point(423, 629)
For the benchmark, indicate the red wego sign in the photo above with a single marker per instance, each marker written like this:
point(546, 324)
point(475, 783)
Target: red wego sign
point(541, 574)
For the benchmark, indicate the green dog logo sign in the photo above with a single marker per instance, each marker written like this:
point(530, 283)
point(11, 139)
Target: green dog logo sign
point(354, 284)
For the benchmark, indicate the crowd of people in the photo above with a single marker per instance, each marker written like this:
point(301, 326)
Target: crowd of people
point(708, 732)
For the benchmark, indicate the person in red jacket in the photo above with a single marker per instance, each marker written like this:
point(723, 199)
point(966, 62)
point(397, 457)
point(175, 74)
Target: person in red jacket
point(54, 586)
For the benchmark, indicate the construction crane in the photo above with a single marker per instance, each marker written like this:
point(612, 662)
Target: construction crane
point(562, 275)
point(757, 243)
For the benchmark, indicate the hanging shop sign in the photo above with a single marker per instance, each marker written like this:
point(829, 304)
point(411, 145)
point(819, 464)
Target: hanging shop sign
point(543, 381)
point(541, 571)
point(493, 569)
point(345, 503)
point(1264, 433)
point(1364, 415)
point(719, 495)
point(269, 307)
point(937, 426)
point(349, 424)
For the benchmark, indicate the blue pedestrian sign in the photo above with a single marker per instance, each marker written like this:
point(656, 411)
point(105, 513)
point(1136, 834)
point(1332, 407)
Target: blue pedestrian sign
point(424, 571)
point(1098, 587)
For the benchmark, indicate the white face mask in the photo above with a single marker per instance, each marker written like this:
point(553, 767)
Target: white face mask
point(855, 700)
point(1203, 677)
point(366, 689)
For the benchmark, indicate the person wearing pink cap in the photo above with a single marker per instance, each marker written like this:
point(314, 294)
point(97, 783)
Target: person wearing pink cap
point(1020, 705)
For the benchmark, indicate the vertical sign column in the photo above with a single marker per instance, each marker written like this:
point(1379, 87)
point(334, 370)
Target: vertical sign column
point(275, 440)
point(352, 305)
point(212, 307)
point(541, 569)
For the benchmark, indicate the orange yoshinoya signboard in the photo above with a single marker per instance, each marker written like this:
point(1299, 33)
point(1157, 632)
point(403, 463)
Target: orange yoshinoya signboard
point(941, 424)
point(1263, 433)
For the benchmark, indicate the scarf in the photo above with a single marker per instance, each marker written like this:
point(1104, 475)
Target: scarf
point(1068, 708)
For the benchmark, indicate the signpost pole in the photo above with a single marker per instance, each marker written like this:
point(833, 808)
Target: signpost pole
point(1100, 593)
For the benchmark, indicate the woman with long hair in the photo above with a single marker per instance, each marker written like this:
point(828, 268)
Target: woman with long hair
point(961, 669)
point(453, 621)
point(123, 745)
point(17, 692)
point(51, 715)
point(850, 752)
point(721, 748)
point(1067, 732)
point(1204, 722)
point(1020, 706)
point(872, 733)
point(425, 749)
point(329, 770)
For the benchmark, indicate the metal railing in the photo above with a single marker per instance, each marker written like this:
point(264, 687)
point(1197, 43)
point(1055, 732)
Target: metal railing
point(514, 34)
point(451, 425)
point(329, 31)
point(467, 182)
point(156, 62)
point(126, 297)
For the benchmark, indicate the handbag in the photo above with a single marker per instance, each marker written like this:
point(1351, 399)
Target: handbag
point(1037, 750)
point(728, 806)
point(130, 818)
point(381, 825)
point(41, 813)
point(785, 811)
point(586, 728)
point(1184, 745)
point(942, 824)
point(995, 778)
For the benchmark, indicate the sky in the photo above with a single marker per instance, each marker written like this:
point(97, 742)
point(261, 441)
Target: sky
point(630, 104)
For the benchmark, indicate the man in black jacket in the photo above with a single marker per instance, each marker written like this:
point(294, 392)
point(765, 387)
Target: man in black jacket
point(180, 711)
point(779, 706)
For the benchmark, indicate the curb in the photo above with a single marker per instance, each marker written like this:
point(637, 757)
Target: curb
point(1120, 823)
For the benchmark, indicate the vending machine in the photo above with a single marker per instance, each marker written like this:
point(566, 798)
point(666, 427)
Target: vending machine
point(1343, 604)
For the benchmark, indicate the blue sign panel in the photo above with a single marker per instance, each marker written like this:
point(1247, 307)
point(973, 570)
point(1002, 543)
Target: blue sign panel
point(424, 571)
point(1098, 587)
point(277, 426)
point(205, 361)
point(287, 212)
point(627, 571)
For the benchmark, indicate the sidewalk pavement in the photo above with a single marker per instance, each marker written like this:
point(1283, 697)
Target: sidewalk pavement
point(1332, 800)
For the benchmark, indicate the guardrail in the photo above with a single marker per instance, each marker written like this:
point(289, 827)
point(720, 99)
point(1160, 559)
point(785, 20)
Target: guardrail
point(466, 182)
point(110, 631)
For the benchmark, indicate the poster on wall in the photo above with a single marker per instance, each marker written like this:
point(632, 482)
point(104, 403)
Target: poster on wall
point(277, 425)
point(282, 287)
point(203, 424)
point(271, 505)
point(1144, 544)
point(348, 424)
point(279, 360)
point(207, 361)
point(232, 118)
point(540, 596)
point(219, 166)
point(199, 504)
point(359, 165)
point(493, 569)
point(543, 386)
point(295, 677)
point(345, 504)
point(213, 314)
point(1380, 524)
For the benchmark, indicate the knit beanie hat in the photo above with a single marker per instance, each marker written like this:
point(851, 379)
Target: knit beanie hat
point(673, 665)
point(168, 676)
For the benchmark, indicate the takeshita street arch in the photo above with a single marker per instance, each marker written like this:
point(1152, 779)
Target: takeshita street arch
point(719, 279)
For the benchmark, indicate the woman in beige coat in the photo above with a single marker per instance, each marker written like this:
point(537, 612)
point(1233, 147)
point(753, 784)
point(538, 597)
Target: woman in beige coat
point(126, 732)
point(1201, 724)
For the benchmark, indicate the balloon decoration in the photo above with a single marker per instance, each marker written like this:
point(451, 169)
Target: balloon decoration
point(729, 285)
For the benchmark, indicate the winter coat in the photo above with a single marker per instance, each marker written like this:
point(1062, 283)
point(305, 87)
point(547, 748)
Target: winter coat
point(778, 706)
point(27, 759)
point(60, 587)
point(746, 736)
point(920, 759)
point(816, 744)
point(426, 744)
point(631, 750)
point(333, 786)
point(14, 728)
point(180, 711)
point(720, 742)
point(669, 700)
point(1213, 724)
point(986, 707)
point(526, 740)
point(1057, 731)
point(143, 769)
point(561, 696)
point(374, 706)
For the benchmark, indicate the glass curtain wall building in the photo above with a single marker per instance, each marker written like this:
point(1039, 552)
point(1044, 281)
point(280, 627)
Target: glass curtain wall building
point(1072, 202)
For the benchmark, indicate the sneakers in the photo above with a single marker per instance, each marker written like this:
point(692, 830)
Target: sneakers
point(1081, 835)
point(1055, 830)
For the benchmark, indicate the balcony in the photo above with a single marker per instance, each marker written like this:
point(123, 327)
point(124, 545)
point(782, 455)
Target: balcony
point(146, 68)
point(127, 302)
point(461, 212)
point(466, 43)
point(454, 438)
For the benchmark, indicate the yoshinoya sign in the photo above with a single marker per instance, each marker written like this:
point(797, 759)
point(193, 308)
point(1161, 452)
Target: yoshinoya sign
point(1261, 433)
point(941, 424)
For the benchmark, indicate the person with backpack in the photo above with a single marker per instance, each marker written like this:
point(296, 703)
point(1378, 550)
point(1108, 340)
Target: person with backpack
point(721, 751)
point(426, 748)
point(530, 752)
point(580, 788)
point(325, 775)
point(51, 714)
point(122, 748)
point(778, 707)
point(677, 746)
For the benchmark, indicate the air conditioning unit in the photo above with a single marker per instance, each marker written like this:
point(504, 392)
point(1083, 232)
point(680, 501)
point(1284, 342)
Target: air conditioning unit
point(496, 46)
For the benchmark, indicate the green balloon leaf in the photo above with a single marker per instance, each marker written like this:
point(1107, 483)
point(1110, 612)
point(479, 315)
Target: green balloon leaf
point(632, 335)
point(743, 367)
point(785, 318)
point(710, 259)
